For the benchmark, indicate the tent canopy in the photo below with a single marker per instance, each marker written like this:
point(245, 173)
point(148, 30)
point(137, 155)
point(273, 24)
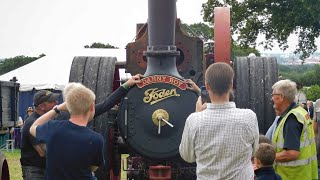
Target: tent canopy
point(52, 71)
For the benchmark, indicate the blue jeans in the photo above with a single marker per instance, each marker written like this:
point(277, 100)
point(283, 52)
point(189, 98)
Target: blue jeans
point(33, 173)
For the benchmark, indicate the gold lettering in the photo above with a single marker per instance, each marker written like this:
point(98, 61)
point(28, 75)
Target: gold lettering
point(161, 94)
point(148, 97)
point(155, 95)
point(171, 80)
point(158, 78)
point(154, 79)
point(144, 81)
point(162, 79)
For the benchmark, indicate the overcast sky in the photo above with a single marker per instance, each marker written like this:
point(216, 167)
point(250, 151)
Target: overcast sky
point(32, 27)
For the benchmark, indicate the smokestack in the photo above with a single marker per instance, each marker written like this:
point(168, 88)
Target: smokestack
point(161, 51)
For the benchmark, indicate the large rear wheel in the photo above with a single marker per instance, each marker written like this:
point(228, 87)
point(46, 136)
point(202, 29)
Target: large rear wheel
point(254, 79)
point(97, 73)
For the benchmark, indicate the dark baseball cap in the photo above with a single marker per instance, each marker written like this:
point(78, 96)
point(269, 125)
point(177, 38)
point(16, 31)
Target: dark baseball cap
point(29, 109)
point(44, 96)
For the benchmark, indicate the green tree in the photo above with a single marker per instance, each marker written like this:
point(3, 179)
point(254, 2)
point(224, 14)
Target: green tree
point(313, 92)
point(206, 33)
point(10, 64)
point(275, 19)
point(198, 29)
point(238, 50)
point(100, 45)
point(307, 75)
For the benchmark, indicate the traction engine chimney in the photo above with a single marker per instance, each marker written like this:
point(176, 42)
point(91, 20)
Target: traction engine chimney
point(161, 52)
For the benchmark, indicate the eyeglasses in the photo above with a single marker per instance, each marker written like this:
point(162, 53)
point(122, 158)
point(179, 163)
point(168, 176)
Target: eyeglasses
point(274, 94)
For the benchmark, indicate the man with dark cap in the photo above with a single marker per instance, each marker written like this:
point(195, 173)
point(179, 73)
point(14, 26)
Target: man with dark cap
point(33, 159)
point(29, 112)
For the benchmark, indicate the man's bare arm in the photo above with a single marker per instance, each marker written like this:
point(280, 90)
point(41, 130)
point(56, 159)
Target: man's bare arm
point(40, 150)
point(287, 155)
point(45, 118)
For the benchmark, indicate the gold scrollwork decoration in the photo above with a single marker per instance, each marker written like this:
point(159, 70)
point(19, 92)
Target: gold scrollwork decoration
point(156, 95)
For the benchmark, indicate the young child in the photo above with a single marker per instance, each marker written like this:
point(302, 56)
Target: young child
point(264, 139)
point(264, 159)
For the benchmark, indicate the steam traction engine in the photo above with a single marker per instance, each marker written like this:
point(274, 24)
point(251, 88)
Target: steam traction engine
point(149, 121)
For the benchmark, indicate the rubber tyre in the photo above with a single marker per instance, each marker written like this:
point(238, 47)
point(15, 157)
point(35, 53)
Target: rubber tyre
point(97, 73)
point(254, 78)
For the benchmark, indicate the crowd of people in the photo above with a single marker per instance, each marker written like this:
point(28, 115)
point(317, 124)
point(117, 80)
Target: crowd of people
point(82, 148)
point(222, 139)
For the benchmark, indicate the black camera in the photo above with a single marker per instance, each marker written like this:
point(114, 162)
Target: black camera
point(205, 95)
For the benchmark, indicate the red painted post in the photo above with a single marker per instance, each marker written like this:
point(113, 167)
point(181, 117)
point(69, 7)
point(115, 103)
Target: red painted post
point(159, 172)
point(222, 38)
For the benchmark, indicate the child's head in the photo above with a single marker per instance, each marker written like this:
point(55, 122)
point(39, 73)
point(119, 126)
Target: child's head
point(264, 139)
point(265, 155)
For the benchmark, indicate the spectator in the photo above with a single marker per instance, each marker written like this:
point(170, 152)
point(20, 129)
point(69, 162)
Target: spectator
point(264, 139)
point(29, 112)
point(206, 138)
point(316, 125)
point(33, 159)
point(310, 109)
point(194, 87)
point(20, 122)
point(293, 136)
point(108, 103)
point(272, 128)
point(15, 133)
point(81, 149)
point(304, 106)
point(264, 159)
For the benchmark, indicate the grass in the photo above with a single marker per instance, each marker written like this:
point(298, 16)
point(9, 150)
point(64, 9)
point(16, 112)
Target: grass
point(13, 159)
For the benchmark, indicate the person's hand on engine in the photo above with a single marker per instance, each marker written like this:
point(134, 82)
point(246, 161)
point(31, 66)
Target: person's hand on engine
point(192, 86)
point(132, 81)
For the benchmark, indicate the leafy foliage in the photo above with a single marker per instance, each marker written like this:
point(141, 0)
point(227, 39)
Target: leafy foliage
point(275, 19)
point(201, 30)
point(205, 32)
point(100, 45)
point(238, 50)
point(10, 64)
point(313, 93)
point(307, 75)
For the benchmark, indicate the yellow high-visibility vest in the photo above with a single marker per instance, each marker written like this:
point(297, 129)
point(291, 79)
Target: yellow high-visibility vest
point(306, 166)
